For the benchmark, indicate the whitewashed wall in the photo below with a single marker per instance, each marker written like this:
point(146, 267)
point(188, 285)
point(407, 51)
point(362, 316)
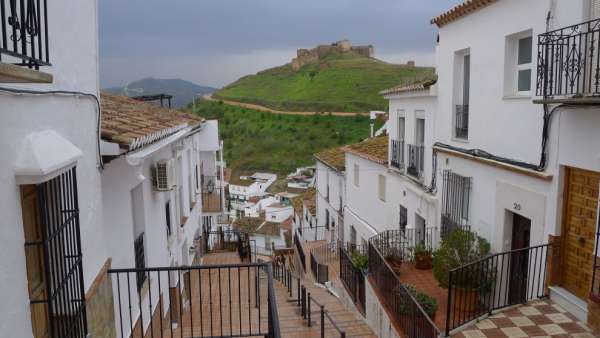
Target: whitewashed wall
point(73, 36)
point(326, 176)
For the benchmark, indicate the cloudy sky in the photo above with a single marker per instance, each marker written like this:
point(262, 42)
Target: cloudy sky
point(214, 42)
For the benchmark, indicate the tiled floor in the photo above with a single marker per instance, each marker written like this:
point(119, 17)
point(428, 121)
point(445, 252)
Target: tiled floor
point(540, 319)
point(424, 281)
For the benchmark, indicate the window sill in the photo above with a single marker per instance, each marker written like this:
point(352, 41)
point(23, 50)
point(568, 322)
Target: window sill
point(460, 140)
point(516, 97)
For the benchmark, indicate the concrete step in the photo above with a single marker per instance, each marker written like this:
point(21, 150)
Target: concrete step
point(568, 301)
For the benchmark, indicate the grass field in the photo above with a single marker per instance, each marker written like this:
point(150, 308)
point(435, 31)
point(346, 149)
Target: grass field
point(278, 143)
point(341, 82)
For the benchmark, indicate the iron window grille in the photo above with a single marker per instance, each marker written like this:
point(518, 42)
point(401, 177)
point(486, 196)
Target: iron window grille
point(24, 33)
point(61, 246)
point(140, 261)
point(416, 160)
point(168, 217)
point(568, 61)
point(461, 123)
point(455, 202)
point(397, 160)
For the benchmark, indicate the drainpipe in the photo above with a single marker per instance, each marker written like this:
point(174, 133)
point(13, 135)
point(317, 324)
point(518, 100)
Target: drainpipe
point(222, 175)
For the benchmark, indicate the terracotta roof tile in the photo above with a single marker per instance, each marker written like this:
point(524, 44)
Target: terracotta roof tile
point(333, 157)
point(373, 149)
point(133, 124)
point(461, 10)
point(414, 86)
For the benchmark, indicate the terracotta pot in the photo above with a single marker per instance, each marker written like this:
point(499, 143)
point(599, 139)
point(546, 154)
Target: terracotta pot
point(423, 261)
point(466, 300)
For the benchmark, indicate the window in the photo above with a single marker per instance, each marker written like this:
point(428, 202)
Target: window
point(518, 64)
point(401, 125)
point(352, 235)
point(140, 260)
point(420, 132)
point(168, 217)
point(356, 177)
point(327, 219)
point(381, 187)
point(455, 202)
point(524, 65)
point(462, 92)
point(403, 217)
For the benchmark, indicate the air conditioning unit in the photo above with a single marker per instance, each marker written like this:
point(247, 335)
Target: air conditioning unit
point(163, 175)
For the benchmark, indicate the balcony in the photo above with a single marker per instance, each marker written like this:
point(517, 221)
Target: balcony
point(568, 70)
point(24, 41)
point(397, 159)
point(416, 160)
point(212, 201)
point(461, 122)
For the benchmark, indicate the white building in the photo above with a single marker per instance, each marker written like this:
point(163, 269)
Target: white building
point(515, 129)
point(330, 184)
point(242, 188)
point(51, 166)
point(155, 223)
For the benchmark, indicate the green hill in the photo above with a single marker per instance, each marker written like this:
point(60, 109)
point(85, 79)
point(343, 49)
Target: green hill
point(340, 81)
point(256, 140)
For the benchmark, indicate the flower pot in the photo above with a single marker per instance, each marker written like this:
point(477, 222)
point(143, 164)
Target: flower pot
point(423, 261)
point(465, 300)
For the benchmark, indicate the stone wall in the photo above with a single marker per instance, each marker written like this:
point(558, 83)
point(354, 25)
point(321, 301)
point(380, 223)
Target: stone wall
point(100, 306)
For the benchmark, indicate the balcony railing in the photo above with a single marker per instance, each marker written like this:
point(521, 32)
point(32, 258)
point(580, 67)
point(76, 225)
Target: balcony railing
point(496, 282)
point(397, 154)
point(353, 279)
point(416, 160)
point(300, 251)
point(568, 61)
point(461, 122)
point(232, 300)
point(212, 200)
point(24, 32)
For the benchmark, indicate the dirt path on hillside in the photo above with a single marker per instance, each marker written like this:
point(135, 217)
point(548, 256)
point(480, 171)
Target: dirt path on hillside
point(269, 110)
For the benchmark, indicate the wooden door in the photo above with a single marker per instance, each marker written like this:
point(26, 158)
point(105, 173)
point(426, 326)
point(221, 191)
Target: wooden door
point(519, 262)
point(34, 260)
point(578, 231)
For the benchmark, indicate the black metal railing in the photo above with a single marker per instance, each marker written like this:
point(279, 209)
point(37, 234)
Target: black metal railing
point(231, 300)
point(24, 32)
point(320, 271)
point(226, 240)
point(212, 200)
point(326, 253)
point(401, 305)
point(304, 300)
point(568, 61)
point(456, 196)
point(397, 160)
point(56, 244)
point(300, 251)
point(495, 282)
point(461, 121)
point(595, 291)
point(353, 279)
point(416, 160)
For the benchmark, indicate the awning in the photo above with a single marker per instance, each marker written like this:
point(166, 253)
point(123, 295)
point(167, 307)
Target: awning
point(44, 155)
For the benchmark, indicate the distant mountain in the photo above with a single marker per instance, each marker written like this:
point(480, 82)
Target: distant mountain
point(183, 91)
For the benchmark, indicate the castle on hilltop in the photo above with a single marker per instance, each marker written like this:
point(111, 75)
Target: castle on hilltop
point(305, 56)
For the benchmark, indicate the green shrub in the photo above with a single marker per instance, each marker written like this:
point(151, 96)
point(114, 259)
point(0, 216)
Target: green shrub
point(459, 248)
point(428, 303)
point(360, 260)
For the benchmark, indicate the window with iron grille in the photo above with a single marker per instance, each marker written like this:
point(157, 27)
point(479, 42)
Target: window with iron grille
point(55, 246)
point(327, 219)
point(455, 202)
point(140, 261)
point(403, 217)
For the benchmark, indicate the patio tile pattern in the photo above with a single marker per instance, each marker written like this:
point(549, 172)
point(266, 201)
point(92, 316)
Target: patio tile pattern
point(540, 319)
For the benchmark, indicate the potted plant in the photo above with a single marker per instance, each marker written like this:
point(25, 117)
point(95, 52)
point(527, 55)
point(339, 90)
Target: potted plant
point(423, 257)
point(460, 248)
point(360, 260)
